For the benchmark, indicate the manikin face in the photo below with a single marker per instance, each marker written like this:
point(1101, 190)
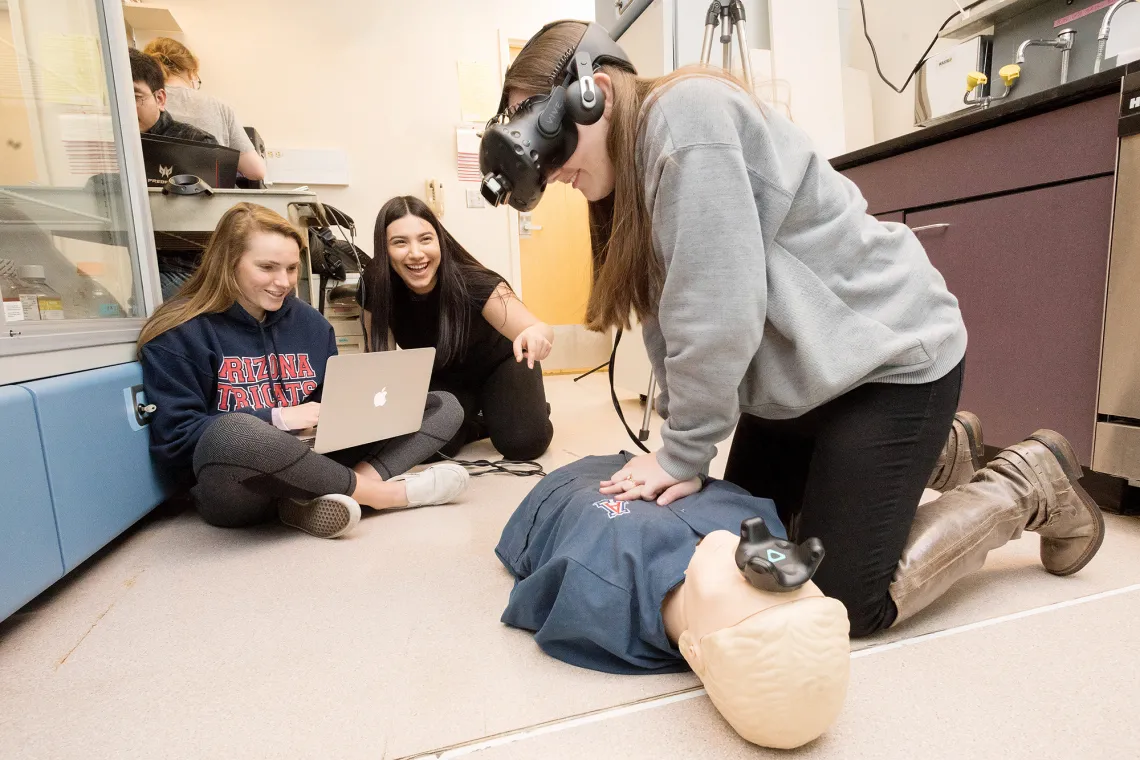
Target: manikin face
point(716, 593)
point(149, 105)
point(267, 272)
point(413, 250)
point(775, 665)
point(589, 169)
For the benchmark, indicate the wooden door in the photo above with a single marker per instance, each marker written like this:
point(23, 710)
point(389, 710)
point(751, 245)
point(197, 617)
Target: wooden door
point(1029, 271)
point(555, 257)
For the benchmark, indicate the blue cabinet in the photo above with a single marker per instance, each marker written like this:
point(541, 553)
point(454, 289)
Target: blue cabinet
point(99, 467)
point(29, 547)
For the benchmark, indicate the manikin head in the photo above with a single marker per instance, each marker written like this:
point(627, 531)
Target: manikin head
point(775, 665)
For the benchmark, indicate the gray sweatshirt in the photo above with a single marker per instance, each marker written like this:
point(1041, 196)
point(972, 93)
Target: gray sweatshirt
point(781, 292)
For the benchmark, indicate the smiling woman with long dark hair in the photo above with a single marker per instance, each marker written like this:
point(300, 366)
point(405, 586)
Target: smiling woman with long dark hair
point(424, 289)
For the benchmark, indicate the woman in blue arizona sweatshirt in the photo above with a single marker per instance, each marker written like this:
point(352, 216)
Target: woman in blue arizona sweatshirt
point(235, 365)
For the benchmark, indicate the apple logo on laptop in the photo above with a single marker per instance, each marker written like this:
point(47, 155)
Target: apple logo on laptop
point(381, 397)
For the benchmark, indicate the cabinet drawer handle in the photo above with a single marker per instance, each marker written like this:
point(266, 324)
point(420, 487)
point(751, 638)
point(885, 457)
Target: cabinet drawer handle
point(927, 227)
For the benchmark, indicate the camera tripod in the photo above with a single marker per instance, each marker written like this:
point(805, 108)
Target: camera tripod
point(729, 17)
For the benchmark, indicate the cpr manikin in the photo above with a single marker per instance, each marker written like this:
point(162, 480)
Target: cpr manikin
point(775, 663)
point(633, 587)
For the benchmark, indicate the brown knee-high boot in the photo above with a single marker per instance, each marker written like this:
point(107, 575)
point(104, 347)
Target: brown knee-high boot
point(1029, 486)
point(961, 457)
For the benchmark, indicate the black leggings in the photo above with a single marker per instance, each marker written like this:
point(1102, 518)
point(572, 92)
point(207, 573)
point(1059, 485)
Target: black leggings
point(851, 473)
point(515, 413)
point(244, 466)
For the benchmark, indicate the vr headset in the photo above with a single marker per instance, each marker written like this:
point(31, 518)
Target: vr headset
point(521, 148)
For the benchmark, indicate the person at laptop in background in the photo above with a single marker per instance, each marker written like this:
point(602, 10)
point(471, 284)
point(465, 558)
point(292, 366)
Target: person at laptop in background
point(235, 367)
point(424, 289)
point(186, 103)
point(150, 103)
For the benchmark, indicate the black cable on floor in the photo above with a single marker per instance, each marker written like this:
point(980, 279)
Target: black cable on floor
point(478, 467)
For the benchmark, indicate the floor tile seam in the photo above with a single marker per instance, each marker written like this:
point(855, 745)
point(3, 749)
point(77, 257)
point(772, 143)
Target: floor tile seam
point(649, 703)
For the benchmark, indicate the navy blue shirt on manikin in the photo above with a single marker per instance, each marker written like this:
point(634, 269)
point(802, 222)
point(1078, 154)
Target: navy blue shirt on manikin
point(591, 573)
point(228, 362)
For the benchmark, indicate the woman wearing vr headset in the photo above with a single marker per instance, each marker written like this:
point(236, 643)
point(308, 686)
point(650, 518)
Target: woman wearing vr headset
point(235, 366)
point(424, 289)
point(769, 298)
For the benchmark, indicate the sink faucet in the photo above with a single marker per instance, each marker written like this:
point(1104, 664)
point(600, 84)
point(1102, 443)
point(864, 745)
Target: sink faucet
point(1064, 43)
point(1105, 30)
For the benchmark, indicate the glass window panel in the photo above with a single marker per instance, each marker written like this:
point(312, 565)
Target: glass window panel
point(64, 250)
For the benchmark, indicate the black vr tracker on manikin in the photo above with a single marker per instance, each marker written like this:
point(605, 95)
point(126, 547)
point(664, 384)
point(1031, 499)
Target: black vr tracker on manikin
point(521, 149)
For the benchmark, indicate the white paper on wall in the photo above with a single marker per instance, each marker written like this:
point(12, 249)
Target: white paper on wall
point(307, 166)
point(467, 154)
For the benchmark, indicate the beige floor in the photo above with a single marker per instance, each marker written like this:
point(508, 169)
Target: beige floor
point(181, 641)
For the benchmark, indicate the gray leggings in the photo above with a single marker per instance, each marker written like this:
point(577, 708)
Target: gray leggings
point(244, 466)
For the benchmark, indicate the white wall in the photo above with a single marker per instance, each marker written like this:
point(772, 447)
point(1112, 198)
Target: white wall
point(901, 30)
point(376, 78)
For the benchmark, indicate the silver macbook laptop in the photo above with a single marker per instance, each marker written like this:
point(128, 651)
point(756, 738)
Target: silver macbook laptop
point(372, 397)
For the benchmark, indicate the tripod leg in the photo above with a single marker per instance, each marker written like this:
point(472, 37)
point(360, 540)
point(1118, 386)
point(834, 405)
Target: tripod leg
point(643, 434)
point(745, 56)
point(711, 20)
point(726, 39)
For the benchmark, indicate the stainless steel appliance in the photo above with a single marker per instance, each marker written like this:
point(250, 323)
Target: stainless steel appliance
point(1116, 446)
point(941, 81)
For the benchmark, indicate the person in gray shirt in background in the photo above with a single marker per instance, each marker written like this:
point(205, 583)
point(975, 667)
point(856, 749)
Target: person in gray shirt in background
point(769, 297)
point(186, 103)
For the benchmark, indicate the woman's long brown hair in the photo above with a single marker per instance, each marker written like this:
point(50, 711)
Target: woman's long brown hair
point(213, 287)
point(628, 275)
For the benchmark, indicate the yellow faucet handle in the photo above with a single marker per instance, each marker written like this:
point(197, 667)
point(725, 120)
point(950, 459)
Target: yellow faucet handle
point(1010, 74)
point(975, 78)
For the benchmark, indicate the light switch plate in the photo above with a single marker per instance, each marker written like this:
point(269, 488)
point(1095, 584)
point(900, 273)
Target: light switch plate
point(475, 199)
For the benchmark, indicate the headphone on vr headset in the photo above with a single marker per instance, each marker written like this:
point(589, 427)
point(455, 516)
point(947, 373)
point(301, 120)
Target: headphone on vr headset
point(520, 149)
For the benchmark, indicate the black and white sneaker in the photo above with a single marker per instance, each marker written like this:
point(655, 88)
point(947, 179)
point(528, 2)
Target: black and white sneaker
point(326, 516)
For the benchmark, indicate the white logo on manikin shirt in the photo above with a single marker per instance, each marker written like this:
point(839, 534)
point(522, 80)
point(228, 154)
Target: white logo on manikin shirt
point(1134, 104)
point(165, 171)
point(381, 398)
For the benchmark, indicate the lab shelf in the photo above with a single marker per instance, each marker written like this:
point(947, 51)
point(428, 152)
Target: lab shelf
point(981, 16)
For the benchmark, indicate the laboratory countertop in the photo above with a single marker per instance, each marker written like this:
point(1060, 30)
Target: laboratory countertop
point(1088, 88)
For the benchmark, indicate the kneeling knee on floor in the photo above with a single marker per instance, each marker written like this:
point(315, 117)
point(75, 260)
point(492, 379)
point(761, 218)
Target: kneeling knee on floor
point(523, 443)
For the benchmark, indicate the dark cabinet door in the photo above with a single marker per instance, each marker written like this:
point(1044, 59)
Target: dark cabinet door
point(1029, 272)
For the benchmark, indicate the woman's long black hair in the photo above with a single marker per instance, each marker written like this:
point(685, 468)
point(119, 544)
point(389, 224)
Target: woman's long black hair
point(459, 273)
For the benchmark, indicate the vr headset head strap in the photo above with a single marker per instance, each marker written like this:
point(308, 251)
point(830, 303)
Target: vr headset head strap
point(596, 44)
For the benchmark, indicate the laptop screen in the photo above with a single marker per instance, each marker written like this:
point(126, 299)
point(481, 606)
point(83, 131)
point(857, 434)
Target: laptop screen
point(166, 157)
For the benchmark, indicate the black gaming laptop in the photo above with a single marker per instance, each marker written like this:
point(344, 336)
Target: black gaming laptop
point(166, 157)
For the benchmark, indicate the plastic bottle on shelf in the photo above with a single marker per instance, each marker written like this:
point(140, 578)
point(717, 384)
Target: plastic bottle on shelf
point(37, 297)
point(94, 300)
point(10, 287)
